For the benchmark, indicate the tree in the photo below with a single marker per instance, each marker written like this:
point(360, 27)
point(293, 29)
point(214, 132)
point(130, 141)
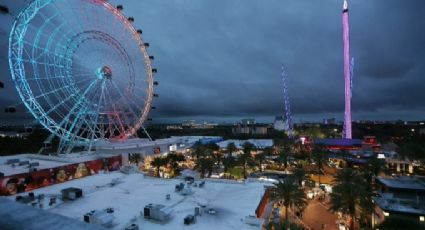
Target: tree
point(367, 205)
point(173, 160)
point(203, 165)
point(231, 148)
point(158, 162)
point(289, 193)
point(201, 150)
point(134, 158)
point(268, 151)
point(213, 146)
point(229, 162)
point(373, 168)
point(299, 175)
point(260, 157)
point(282, 225)
point(319, 156)
point(246, 157)
point(412, 150)
point(283, 155)
point(348, 191)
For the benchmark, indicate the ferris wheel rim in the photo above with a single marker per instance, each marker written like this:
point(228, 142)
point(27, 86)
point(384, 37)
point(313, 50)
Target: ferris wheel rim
point(18, 31)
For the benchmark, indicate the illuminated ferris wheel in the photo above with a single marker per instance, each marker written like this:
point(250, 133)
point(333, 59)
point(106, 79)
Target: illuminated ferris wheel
point(81, 69)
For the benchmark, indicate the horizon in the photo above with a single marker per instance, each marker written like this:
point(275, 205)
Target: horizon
point(386, 85)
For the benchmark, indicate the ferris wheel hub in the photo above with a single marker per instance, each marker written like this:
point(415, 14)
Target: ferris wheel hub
point(104, 72)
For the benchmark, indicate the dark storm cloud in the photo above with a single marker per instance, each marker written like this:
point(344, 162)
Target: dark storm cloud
point(222, 58)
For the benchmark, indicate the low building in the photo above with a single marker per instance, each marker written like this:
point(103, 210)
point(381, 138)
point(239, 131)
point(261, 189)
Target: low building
point(258, 143)
point(400, 197)
point(339, 144)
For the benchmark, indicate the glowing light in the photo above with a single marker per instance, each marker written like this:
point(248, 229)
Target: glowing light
point(347, 72)
point(386, 214)
point(422, 218)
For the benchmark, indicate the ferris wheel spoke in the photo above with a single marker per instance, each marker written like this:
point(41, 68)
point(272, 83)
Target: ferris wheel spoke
point(128, 99)
point(121, 105)
point(77, 105)
point(45, 94)
point(45, 78)
point(112, 103)
point(101, 96)
point(42, 51)
point(129, 106)
point(62, 102)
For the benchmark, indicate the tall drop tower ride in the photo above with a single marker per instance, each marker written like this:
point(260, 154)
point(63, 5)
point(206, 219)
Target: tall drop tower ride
point(288, 115)
point(347, 71)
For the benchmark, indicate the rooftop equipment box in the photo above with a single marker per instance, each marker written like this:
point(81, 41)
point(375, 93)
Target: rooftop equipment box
point(71, 193)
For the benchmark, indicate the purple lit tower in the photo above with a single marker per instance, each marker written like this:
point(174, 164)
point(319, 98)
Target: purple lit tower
point(347, 72)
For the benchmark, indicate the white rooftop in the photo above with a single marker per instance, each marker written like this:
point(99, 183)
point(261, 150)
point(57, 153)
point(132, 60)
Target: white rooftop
point(233, 201)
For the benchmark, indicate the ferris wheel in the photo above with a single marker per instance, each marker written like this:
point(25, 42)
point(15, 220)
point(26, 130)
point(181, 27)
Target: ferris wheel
point(81, 69)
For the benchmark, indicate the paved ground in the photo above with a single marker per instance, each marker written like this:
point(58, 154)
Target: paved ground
point(317, 217)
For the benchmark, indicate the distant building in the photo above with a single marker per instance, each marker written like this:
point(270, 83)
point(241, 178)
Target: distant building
point(400, 197)
point(189, 124)
point(253, 130)
point(248, 121)
point(329, 121)
point(193, 125)
point(280, 124)
point(13, 134)
point(174, 127)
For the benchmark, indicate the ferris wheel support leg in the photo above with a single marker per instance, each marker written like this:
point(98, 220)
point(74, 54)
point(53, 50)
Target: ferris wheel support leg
point(146, 132)
point(76, 126)
point(47, 144)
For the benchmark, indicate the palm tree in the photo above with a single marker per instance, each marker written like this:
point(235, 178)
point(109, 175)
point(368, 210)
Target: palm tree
point(229, 162)
point(299, 175)
point(289, 193)
point(374, 167)
point(203, 165)
point(367, 205)
point(173, 160)
point(158, 162)
point(134, 158)
point(268, 151)
point(246, 157)
point(260, 157)
point(199, 149)
point(348, 191)
point(283, 155)
point(319, 157)
point(213, 146)
point(231, 148)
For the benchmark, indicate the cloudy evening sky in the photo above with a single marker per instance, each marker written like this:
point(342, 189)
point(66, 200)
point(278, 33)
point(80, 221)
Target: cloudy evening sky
point(220, 60)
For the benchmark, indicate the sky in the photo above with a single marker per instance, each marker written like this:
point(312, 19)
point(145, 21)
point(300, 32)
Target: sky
point(220, 60)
